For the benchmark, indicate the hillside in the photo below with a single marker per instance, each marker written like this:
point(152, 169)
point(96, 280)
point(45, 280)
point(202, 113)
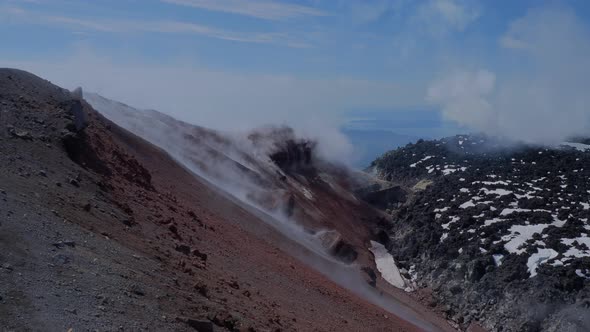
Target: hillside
point(498, 232)
point(102, 230)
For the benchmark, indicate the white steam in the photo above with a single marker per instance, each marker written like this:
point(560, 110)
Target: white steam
point(464, 97)
point(228, 100)
point(543, 98)
point(239, 167)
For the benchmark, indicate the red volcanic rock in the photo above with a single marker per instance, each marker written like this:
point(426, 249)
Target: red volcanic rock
point(140, 254)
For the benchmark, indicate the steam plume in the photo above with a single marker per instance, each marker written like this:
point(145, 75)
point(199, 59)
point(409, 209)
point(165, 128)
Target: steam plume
point(543, 99)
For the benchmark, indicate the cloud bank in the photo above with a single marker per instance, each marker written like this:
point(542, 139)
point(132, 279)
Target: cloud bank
point(542, 98)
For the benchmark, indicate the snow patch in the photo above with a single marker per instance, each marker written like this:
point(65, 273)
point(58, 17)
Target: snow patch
point(575, 252)
point(492, 183)
point(386, 266)
point(421, 161)
point(454, 219)
point(498, 192)
point(519, 234)
point(492, 221)
point(577, 146)
point(538, 258)
point(498, 259)
point(467, 204)
point(507, 212)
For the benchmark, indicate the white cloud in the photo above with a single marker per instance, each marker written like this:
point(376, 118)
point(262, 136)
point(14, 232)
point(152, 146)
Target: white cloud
point(544, 99)
point(368, 11)
point(19, 15)
point(77, 23)
point(428, 28)
point(442, 16)
point(464, 95)
point(270, 10)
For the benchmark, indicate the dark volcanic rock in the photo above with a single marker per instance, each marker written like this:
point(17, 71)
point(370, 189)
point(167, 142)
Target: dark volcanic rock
point(344, 251)
point(385, 198)
point(294, 154)
point(287, 152)
point(502, 231)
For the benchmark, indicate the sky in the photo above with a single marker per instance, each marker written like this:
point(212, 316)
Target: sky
point(317, 65)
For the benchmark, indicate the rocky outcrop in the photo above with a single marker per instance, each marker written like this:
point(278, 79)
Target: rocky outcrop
point(337, 246)
point(289, 153)
point(77, 110)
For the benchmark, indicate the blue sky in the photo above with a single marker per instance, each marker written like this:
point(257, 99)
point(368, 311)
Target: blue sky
point(364, 39)
point(309, 63)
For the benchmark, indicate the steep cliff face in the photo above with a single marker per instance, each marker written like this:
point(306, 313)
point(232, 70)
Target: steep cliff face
point(499, 233)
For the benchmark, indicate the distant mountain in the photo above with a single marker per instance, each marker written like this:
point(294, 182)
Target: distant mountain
point(371, 143)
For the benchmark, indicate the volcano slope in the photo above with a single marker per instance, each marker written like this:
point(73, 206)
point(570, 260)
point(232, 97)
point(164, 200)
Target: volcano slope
point(100, 230)
point(500, 235)
point(280, 178)
point(269, 169)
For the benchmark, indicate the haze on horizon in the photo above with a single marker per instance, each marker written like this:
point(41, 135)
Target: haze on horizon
point(512, 69)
